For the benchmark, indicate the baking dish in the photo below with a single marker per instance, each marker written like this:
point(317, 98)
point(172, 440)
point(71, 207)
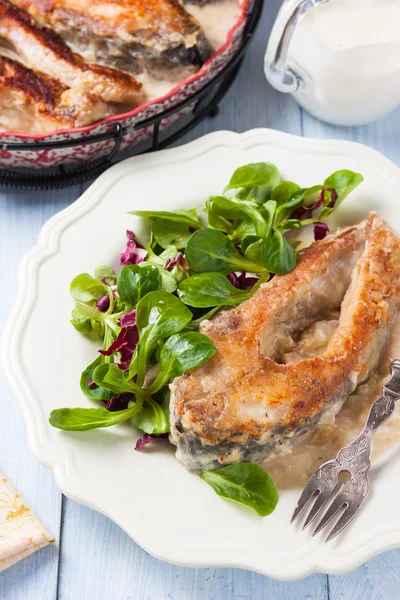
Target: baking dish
point(94, 146)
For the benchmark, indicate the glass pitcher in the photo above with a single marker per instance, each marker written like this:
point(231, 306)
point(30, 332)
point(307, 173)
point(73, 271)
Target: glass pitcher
point(339, 58)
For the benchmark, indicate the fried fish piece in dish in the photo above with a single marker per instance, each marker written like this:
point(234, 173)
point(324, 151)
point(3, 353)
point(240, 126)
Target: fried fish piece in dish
point(44, 51)
point(259, 393)
point(39, 104)
point(125, 33)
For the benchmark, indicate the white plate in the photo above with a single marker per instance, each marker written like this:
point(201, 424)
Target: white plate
point(171, 513)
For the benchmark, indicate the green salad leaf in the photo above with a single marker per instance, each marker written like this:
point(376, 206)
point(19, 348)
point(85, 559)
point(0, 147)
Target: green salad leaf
point(282, 192)
point(181, 353)
point(170, 233)
point(83, 419)
point(269, 212)
point(242, 229)
point(136, 281)
point(246, 483)
point(109, 376)
point(85, 288)
point(210, 289)
point(300, 197)
point(343, 182)
point(255, 175)
point(216, 218)
point(189, 217)
point(158, 316)
point(274, 253)
point(296, 224)
point(231, 209)
point(170, 278)
point(82, 323)
point(106, 273)
point(94, 392)
point(153, 418)
point(210, 250)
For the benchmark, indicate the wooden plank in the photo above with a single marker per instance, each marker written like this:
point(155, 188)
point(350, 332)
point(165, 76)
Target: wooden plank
point(382, 135)
point(100, 561)
point(378, 579)
point(21, 217)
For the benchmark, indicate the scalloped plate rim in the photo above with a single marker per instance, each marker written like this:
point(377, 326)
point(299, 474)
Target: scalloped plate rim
point(42, 448)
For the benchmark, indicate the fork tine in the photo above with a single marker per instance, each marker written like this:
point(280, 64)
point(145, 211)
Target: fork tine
point(319, 503)
point(348, 515)
point(337, 503)
point(312, 487)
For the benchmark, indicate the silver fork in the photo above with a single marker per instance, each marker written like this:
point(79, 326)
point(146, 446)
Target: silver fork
point(329, 481)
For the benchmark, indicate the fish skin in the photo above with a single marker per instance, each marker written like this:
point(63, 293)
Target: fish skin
point(244, 405)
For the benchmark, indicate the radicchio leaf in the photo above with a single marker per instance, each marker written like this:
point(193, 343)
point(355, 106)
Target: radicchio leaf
point(243, 281)
point(103, 303)
point(234, 279)
point(147, 438)
point(304, 212)
point(320, 231)
point(119, 402)
point(128, 319)
point(131, 254)
point(125, 344)
point(178, 260)
point(334, 197)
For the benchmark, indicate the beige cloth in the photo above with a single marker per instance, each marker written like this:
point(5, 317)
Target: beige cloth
point(21, 531)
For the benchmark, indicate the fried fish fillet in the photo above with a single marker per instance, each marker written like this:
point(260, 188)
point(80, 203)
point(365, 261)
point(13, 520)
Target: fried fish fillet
point(39, 104)
point(124, 32)
point(259, 394)
point(44, 51)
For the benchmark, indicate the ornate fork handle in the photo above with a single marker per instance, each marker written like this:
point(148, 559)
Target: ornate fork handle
point(380, 411)
point(383, 408)
point(326, 481)
point(356, 454)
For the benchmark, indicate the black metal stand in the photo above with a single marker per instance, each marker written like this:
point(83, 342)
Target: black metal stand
point(206, 104)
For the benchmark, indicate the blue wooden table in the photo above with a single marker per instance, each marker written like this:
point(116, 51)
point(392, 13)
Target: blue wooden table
point(94, 559)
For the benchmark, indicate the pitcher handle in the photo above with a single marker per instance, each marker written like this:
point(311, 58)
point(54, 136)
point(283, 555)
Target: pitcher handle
point(277, 72)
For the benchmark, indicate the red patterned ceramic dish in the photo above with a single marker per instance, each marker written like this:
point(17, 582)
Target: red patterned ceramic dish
point(80, 153)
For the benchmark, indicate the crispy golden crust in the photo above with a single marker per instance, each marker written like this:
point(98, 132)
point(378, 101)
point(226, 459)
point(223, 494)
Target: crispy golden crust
point(212, 402)
point(158, 24)
point(43, 50)
point(43, 89)
point(39, 103)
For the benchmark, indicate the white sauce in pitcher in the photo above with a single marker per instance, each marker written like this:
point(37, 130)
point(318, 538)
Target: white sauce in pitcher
point(348, 54)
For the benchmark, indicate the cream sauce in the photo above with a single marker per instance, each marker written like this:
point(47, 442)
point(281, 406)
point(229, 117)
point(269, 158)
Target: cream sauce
point(216, 19)
point(293, 470)
point(156, 88)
